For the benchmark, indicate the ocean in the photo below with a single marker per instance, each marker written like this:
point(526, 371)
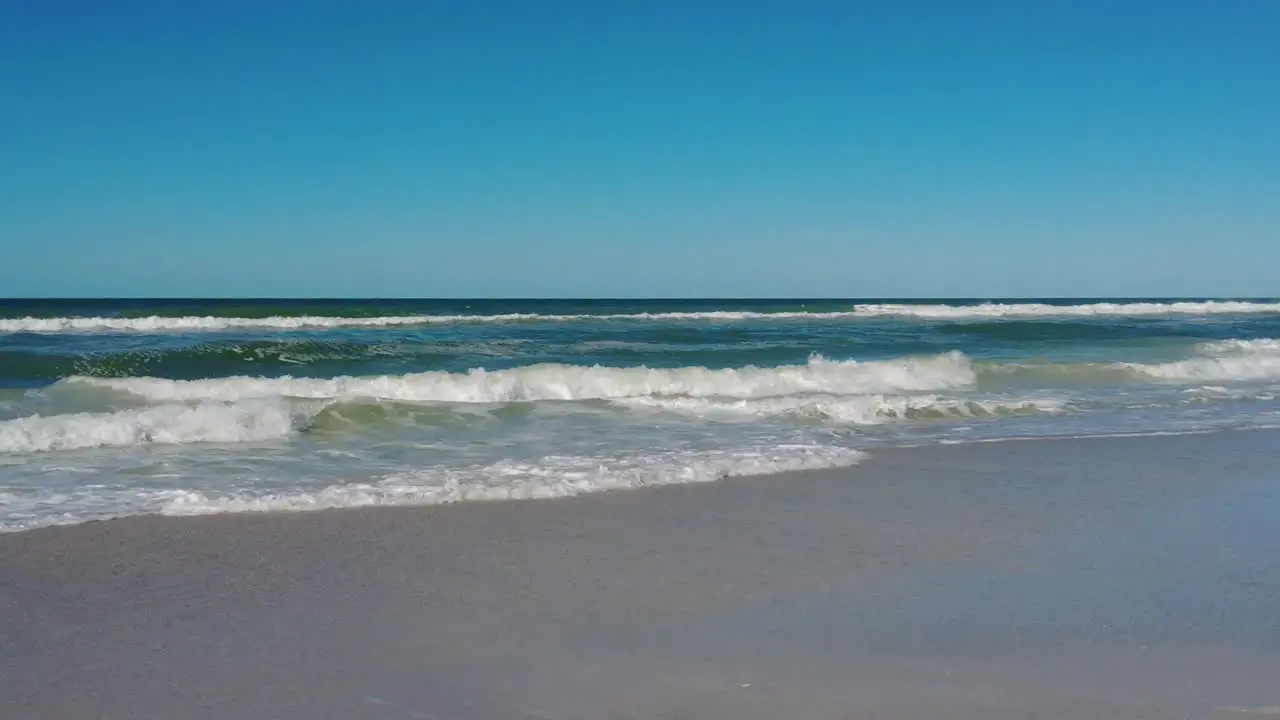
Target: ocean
point(111, 408)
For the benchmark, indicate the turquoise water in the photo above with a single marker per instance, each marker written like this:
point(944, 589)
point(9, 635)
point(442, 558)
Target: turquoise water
point(111, 408)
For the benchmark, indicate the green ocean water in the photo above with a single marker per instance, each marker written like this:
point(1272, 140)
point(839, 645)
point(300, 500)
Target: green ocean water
point(121, 407)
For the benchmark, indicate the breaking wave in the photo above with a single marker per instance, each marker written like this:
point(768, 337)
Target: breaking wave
point(254, 409)
point(164, 425)
point(1218, 361)
point(1228, 347)
point(571, 382)
point(858, 410)
point(164, 323)
point(1005, 310)
point(161, 323)
point(1227, 360)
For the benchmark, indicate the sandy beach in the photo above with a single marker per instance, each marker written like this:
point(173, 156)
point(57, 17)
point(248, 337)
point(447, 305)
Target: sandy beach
point(1103, 578)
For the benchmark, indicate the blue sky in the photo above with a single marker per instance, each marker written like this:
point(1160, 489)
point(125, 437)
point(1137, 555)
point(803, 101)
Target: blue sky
point(639, 148)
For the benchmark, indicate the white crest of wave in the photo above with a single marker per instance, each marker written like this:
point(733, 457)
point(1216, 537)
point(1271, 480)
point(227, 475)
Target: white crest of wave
point(162, 323)
point(1228, 347)
point(550, 477)
point(1226, 360)
point(572, 382)
point(859, 409)
point(1001, 310)
point(165, 424)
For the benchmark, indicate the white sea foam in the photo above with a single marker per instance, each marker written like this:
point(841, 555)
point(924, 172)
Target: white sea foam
point(159, 323)
point(164, 424)
point(1226, 360)
point(1217, 361)
point(550, 477)
point(1203, 369)
point(859, 409)
point(571, 382)
point(1226, 347)
point(1218, 393)
point(1002, 310)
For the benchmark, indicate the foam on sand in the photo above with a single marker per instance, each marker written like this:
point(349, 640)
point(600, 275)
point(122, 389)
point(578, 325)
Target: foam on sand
point(550, 477)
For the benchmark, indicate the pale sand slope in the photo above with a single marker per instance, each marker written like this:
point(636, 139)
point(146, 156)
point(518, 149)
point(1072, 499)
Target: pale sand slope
point(1109, 578)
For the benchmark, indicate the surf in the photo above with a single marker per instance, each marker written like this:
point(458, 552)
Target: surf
point(568, 382)
point(162, 425)
point(212, 323)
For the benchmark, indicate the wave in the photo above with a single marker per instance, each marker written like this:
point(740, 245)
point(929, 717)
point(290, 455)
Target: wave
point(1218, 361)
point(164, 323)
point(570, 382)
point(211, 359)
point(550, 477)
point(259, 420)
point(1007, 310)
point(1226, 347)
point(820, 387)
point(858, 410)
point(1226, 360)
point(247, 409)
point(161, 323)
point(164, 425)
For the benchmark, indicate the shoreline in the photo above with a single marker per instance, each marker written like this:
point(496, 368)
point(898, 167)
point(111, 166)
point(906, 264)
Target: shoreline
point(729, 478)
point(1074, 578)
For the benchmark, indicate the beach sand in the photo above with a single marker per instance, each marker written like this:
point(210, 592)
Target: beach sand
point(1103, 578)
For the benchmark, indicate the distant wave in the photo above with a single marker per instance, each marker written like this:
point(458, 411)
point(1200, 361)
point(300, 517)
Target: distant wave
point(1006, 310)
point(266, 355)
point(570, 382)
point(160, 323)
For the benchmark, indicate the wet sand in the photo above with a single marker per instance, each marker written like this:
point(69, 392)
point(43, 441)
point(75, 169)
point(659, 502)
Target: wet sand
point(1105, 578)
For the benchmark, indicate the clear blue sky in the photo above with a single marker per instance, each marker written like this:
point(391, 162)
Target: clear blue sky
point(639, 147)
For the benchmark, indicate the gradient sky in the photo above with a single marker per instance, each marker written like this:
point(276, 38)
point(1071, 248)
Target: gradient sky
point(639, 148)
